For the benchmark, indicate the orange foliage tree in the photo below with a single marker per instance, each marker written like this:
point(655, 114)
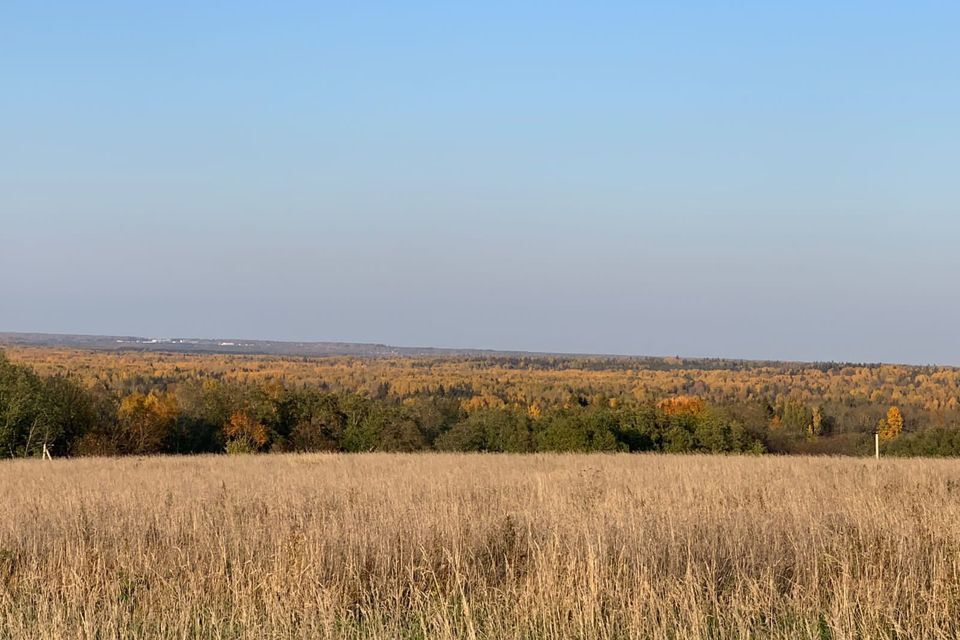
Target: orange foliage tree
point(681, 405)
point(244, 434)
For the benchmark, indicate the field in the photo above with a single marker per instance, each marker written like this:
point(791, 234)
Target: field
point(479, 546)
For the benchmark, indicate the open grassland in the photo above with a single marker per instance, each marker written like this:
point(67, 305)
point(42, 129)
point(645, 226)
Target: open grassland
point(479, 546)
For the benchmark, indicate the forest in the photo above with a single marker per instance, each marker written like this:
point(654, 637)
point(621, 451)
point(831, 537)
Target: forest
point(80, 402)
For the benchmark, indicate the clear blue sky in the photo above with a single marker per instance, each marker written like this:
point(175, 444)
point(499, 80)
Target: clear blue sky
point(722, 179)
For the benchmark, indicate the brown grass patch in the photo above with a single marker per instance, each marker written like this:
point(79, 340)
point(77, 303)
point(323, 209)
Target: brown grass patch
point(479, 546)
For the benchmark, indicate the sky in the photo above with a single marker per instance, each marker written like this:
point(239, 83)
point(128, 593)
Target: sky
point(748, 180)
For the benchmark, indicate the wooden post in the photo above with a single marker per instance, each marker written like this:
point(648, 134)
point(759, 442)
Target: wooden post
point(876, 443)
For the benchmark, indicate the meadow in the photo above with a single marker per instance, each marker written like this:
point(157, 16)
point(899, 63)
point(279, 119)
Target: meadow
point(434, 545)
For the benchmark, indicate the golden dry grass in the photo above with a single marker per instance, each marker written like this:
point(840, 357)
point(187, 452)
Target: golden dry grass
point(480, 546)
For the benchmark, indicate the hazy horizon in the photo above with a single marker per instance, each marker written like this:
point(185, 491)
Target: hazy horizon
point(758, 182)
point(163, 339)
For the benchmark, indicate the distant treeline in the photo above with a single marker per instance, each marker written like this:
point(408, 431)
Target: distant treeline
point(193, 413)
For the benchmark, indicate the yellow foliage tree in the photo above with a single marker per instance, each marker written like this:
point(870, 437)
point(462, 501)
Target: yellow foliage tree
point(145, 421)
point(815, 428)
point(892, 426)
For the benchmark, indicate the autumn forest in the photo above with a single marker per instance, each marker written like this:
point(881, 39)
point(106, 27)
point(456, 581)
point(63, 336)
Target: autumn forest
point(86, 402)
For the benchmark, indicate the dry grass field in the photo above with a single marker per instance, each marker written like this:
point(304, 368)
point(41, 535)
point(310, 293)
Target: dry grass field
point(479, 546)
